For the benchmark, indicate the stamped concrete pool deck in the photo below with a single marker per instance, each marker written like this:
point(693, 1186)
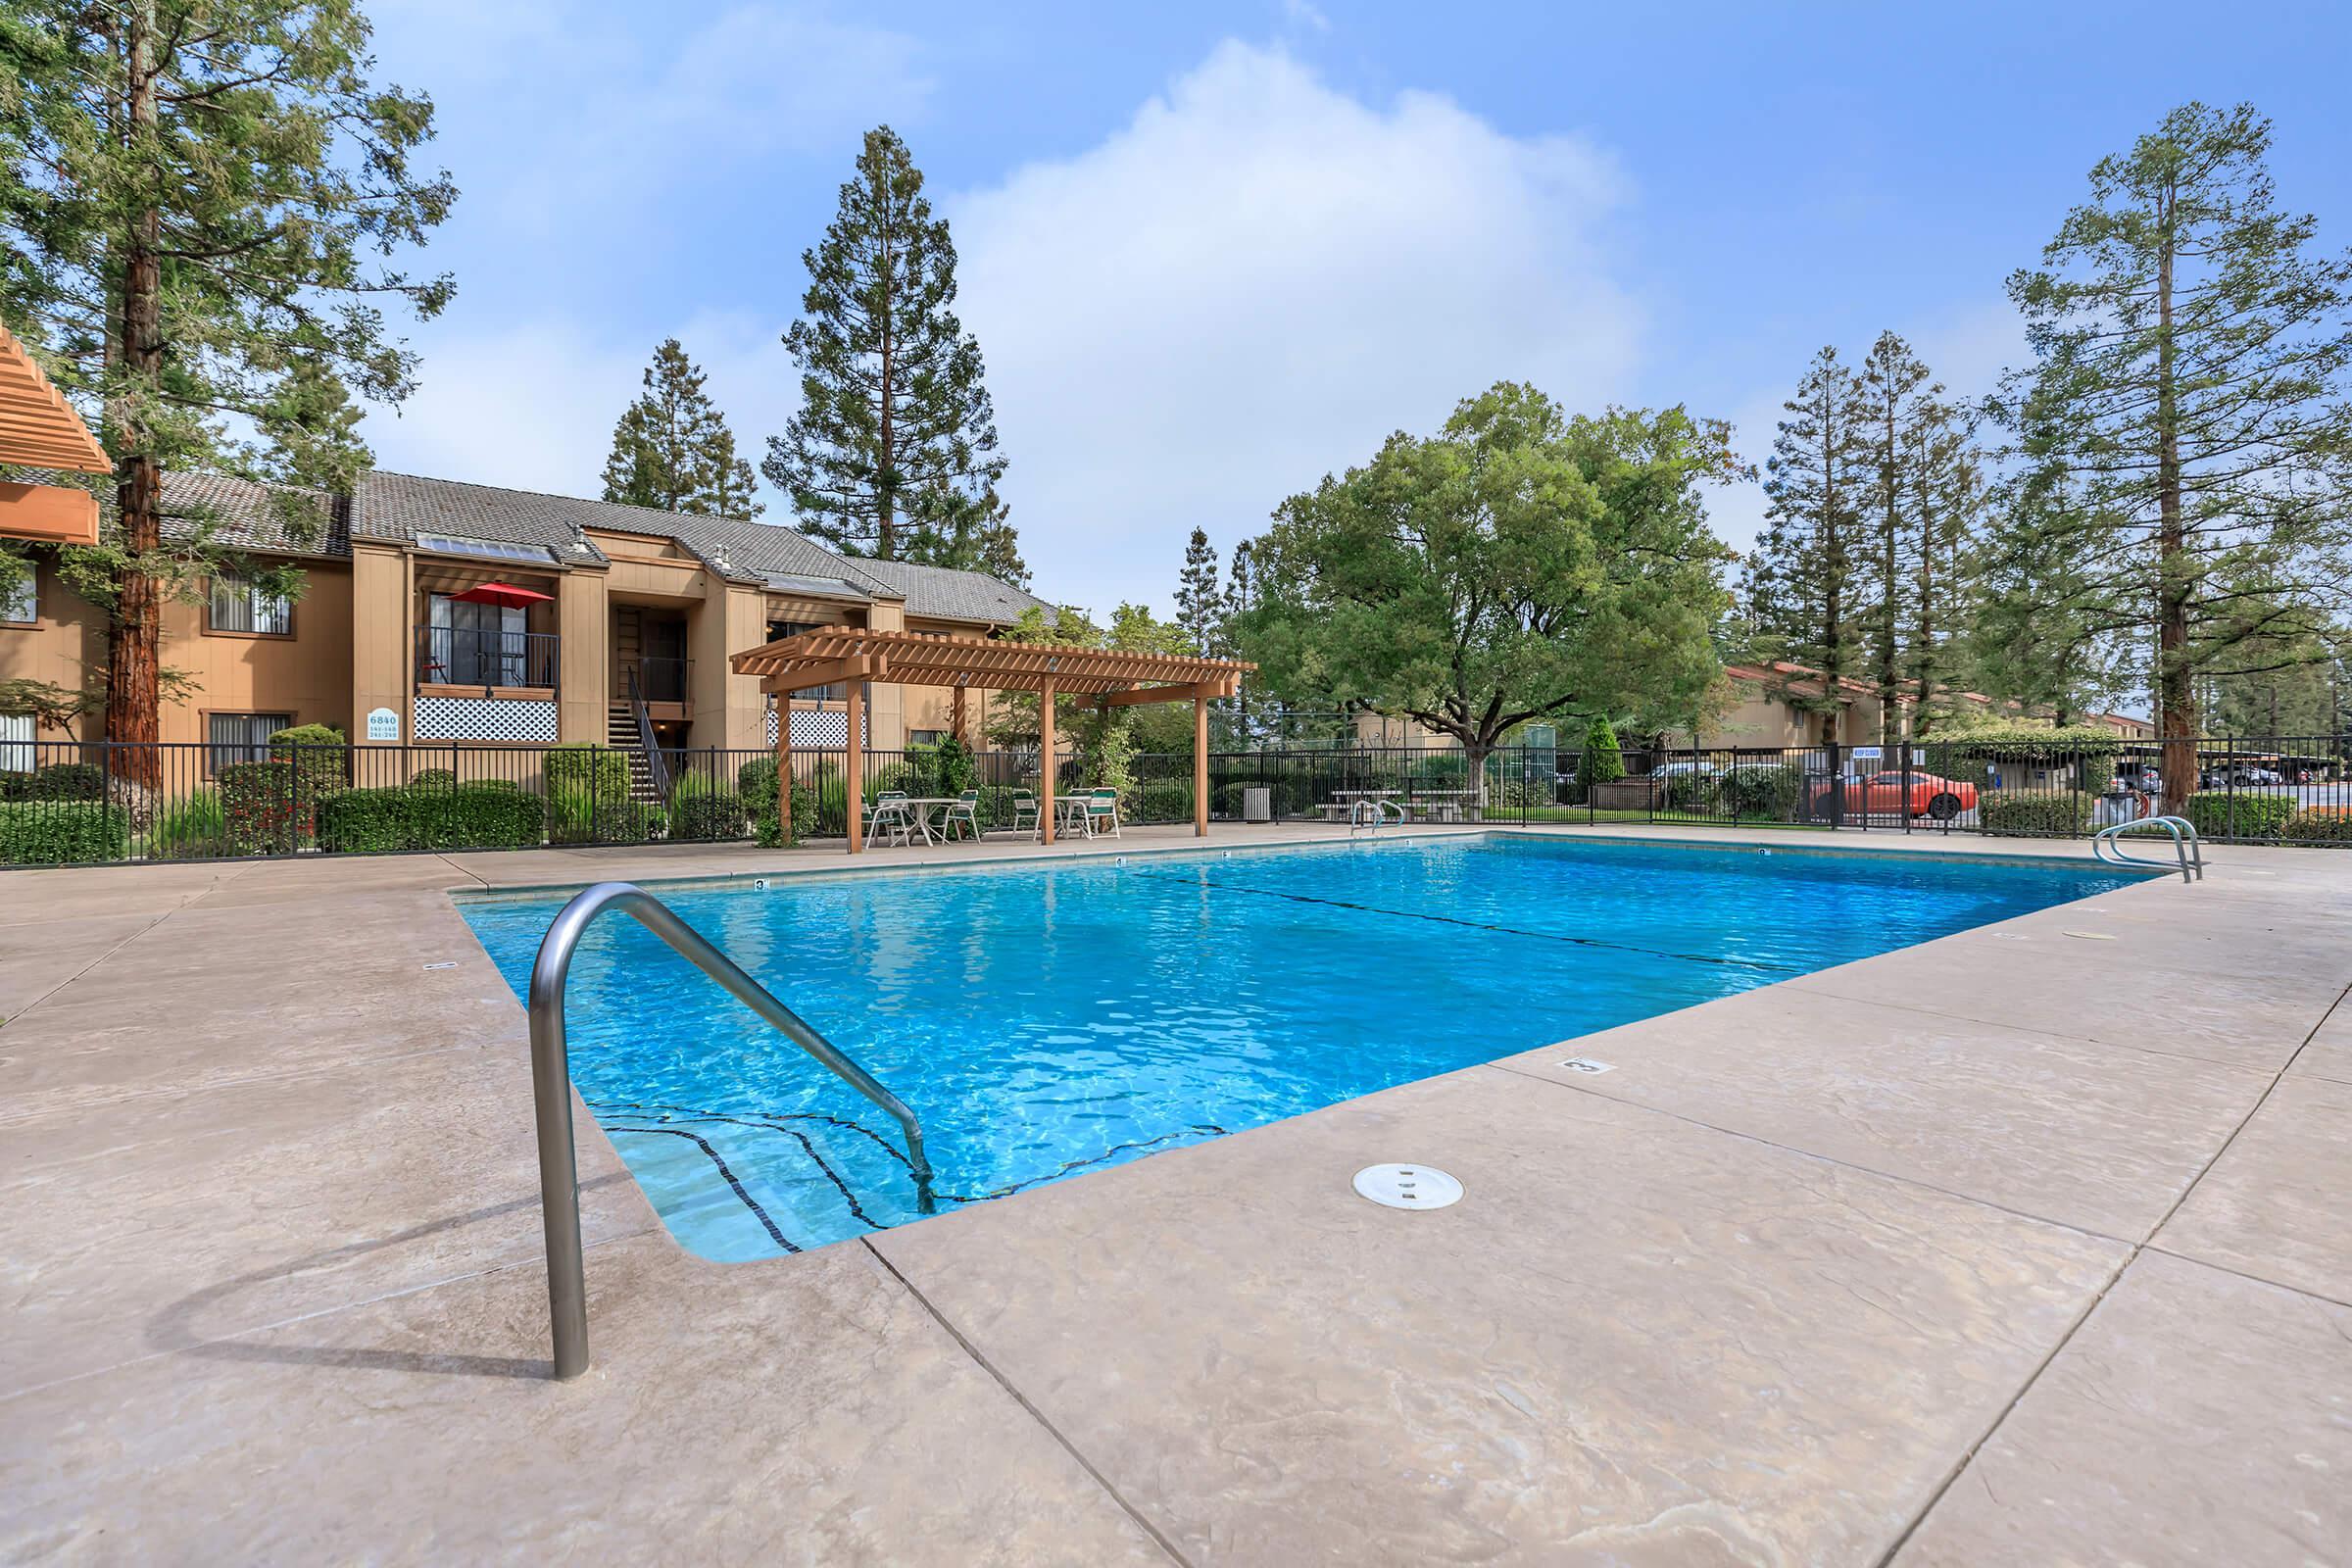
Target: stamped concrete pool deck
point(2032, 1245)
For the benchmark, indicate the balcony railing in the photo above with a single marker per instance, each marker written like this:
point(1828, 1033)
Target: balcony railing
point(456, 656)
point(661, 680)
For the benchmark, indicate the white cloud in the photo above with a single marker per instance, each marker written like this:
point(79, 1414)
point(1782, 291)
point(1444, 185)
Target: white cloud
point(532, 406)
point(1254, 282)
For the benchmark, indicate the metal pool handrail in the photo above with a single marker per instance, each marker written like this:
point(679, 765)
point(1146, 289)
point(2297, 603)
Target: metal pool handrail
point(551, 1085)
point(2188, 848)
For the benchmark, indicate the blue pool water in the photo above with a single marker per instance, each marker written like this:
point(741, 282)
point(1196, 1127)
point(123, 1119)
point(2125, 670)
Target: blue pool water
point(1045, 1020)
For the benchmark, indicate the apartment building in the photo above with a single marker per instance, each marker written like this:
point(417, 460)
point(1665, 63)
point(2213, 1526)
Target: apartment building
point(439, 612)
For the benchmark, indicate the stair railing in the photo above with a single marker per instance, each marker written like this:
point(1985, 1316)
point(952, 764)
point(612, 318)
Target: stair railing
point(656, 765)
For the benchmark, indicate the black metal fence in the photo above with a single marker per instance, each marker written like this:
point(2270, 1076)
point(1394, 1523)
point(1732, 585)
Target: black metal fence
point(65, 803)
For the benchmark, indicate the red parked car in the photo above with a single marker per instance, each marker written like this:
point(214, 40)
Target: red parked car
point(1882, 795)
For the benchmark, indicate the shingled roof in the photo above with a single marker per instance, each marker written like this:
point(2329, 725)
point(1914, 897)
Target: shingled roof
point(244, 515)
point(945, 594)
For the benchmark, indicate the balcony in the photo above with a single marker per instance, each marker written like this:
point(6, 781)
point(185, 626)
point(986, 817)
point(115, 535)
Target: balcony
point(462, 662)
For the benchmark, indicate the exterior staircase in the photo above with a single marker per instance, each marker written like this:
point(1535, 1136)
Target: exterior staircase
point(620, 733)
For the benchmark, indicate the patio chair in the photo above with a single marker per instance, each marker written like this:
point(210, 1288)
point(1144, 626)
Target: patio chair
point(1024, 812)
point(890, 814)
point(965, 813)
point(1102, 814)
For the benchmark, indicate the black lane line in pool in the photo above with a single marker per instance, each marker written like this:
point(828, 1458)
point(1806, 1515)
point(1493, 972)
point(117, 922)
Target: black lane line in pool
point(806, 1148)
point(748, 1201)
point(1474, 925)
point(666, 1113)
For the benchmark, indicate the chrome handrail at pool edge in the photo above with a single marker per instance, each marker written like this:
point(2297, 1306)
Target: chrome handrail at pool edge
point(551, 1086)
point(2188, 848)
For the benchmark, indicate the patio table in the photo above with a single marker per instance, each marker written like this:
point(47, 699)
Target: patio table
point(927, 807)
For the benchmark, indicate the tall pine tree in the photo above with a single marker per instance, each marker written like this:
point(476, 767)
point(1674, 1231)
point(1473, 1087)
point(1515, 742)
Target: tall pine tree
point(2189, 394)
point(1945, 475)
point(1804, 582)
point(894, 450)
point(1200, 607)
point(672, 450)
point(1892, 397)
point(198, 201)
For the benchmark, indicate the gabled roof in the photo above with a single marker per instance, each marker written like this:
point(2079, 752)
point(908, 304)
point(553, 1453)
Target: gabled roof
point(742, 551)
point(945, 594)
point(242, 514)
point(398, 507)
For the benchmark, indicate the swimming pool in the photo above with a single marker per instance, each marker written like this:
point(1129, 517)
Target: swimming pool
point(1046, 1019)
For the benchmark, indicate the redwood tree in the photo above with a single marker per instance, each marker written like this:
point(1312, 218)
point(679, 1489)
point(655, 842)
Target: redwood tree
point(205, 203)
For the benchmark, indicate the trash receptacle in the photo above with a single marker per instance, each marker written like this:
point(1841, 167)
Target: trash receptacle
point(1257, 805)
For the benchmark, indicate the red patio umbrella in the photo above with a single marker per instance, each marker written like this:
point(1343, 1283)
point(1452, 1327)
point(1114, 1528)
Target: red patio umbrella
point(504, 594)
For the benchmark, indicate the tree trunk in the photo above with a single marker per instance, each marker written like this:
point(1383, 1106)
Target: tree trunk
point(2175, 695)
point(1889, 592)
point(133, 636)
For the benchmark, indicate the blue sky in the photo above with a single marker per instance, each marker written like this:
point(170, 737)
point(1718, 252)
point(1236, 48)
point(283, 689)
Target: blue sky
point(1212, 252)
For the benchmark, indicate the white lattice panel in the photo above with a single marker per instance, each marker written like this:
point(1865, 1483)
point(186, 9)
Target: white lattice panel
point(823, 728)
point(486, 718)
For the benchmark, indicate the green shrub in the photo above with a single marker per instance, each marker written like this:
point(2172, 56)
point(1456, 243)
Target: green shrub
point(1762, 792)
point(576, 815)
point(598, 770)
point(435, 778)
point(706, 817)
point(1694, 793)
point(957, 770)
point(2319, 825)
point(321, 757)
point(1165, 800)
point(491, 815)
point(1442, 768)
point(63, 832)
point(258, 810)
point(2096, 774)
point(67, 781)
point(190, 828)
point(755, 783)
point(2026, 814)
point(2220, 814)
point(1602, 762)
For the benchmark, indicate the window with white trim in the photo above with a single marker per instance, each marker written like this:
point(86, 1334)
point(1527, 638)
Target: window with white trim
point(15, 743)
point(243, 737)
point(19, 594)
point(238, 604)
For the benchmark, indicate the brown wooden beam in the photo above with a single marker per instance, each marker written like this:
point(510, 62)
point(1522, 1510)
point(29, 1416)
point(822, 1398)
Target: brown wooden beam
point(1139, 695)
point(855, 667)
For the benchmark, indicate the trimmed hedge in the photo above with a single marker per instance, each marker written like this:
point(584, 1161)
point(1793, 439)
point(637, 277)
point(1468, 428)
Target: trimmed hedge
point(259, 808)
point(575, 817)
point(2319, 825)
point(1165, 800)
point(588, 768)
point(1762, 792)
point(65, 781)
point(469, 816)
point(2220, 814)
point(63, 832)
point(706, 819)
point(2030, 814)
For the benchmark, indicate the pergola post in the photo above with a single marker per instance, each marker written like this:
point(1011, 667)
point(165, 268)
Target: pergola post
point(961, 724)
point(1200, 764)
point(784, 765)
point(1044, 763)
point(854, 762)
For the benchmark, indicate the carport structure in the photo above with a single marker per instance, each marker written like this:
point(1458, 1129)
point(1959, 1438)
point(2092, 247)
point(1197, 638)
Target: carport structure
point(849, 657)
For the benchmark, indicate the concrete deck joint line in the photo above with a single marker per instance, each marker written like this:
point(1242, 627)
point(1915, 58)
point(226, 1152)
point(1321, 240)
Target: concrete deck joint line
point(1035, 1414)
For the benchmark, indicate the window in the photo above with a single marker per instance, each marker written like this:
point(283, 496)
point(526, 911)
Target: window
point(925, 737)
point(244, 737)
point(238, 606)
point(475, 645)
point(777, 630)
point(15, 743)
point(20, 598)
point(449, 544)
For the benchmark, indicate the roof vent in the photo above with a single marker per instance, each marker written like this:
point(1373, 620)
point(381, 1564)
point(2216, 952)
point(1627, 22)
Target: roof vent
point(579, 541)
point(726, 560)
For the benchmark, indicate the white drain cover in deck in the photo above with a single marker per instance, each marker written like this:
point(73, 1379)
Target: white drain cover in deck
point(1407, 1187)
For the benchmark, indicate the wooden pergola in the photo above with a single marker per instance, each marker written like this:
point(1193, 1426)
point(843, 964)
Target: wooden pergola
point(39, 429)
point(849, 657)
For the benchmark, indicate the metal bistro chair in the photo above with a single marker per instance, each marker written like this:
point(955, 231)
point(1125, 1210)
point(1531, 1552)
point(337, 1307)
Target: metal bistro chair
point(1102, 814)
point(891, 814)
point(965, 813)
point(1024, 813)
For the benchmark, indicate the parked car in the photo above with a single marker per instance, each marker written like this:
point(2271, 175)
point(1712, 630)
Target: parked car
point(1676, 769)
point(2245, 776)
point(1885, 795)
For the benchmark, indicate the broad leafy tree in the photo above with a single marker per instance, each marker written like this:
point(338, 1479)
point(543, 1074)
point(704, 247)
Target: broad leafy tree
point(2189, 387)
point(1519, 564)
point(894, 450)
point(1806, 582)
point(672, 450)
point(208, 207)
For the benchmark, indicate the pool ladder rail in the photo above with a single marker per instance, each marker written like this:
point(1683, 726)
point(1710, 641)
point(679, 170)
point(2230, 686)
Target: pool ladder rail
point(2189, 852)
point(1370, 813)
point(551, 1086)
